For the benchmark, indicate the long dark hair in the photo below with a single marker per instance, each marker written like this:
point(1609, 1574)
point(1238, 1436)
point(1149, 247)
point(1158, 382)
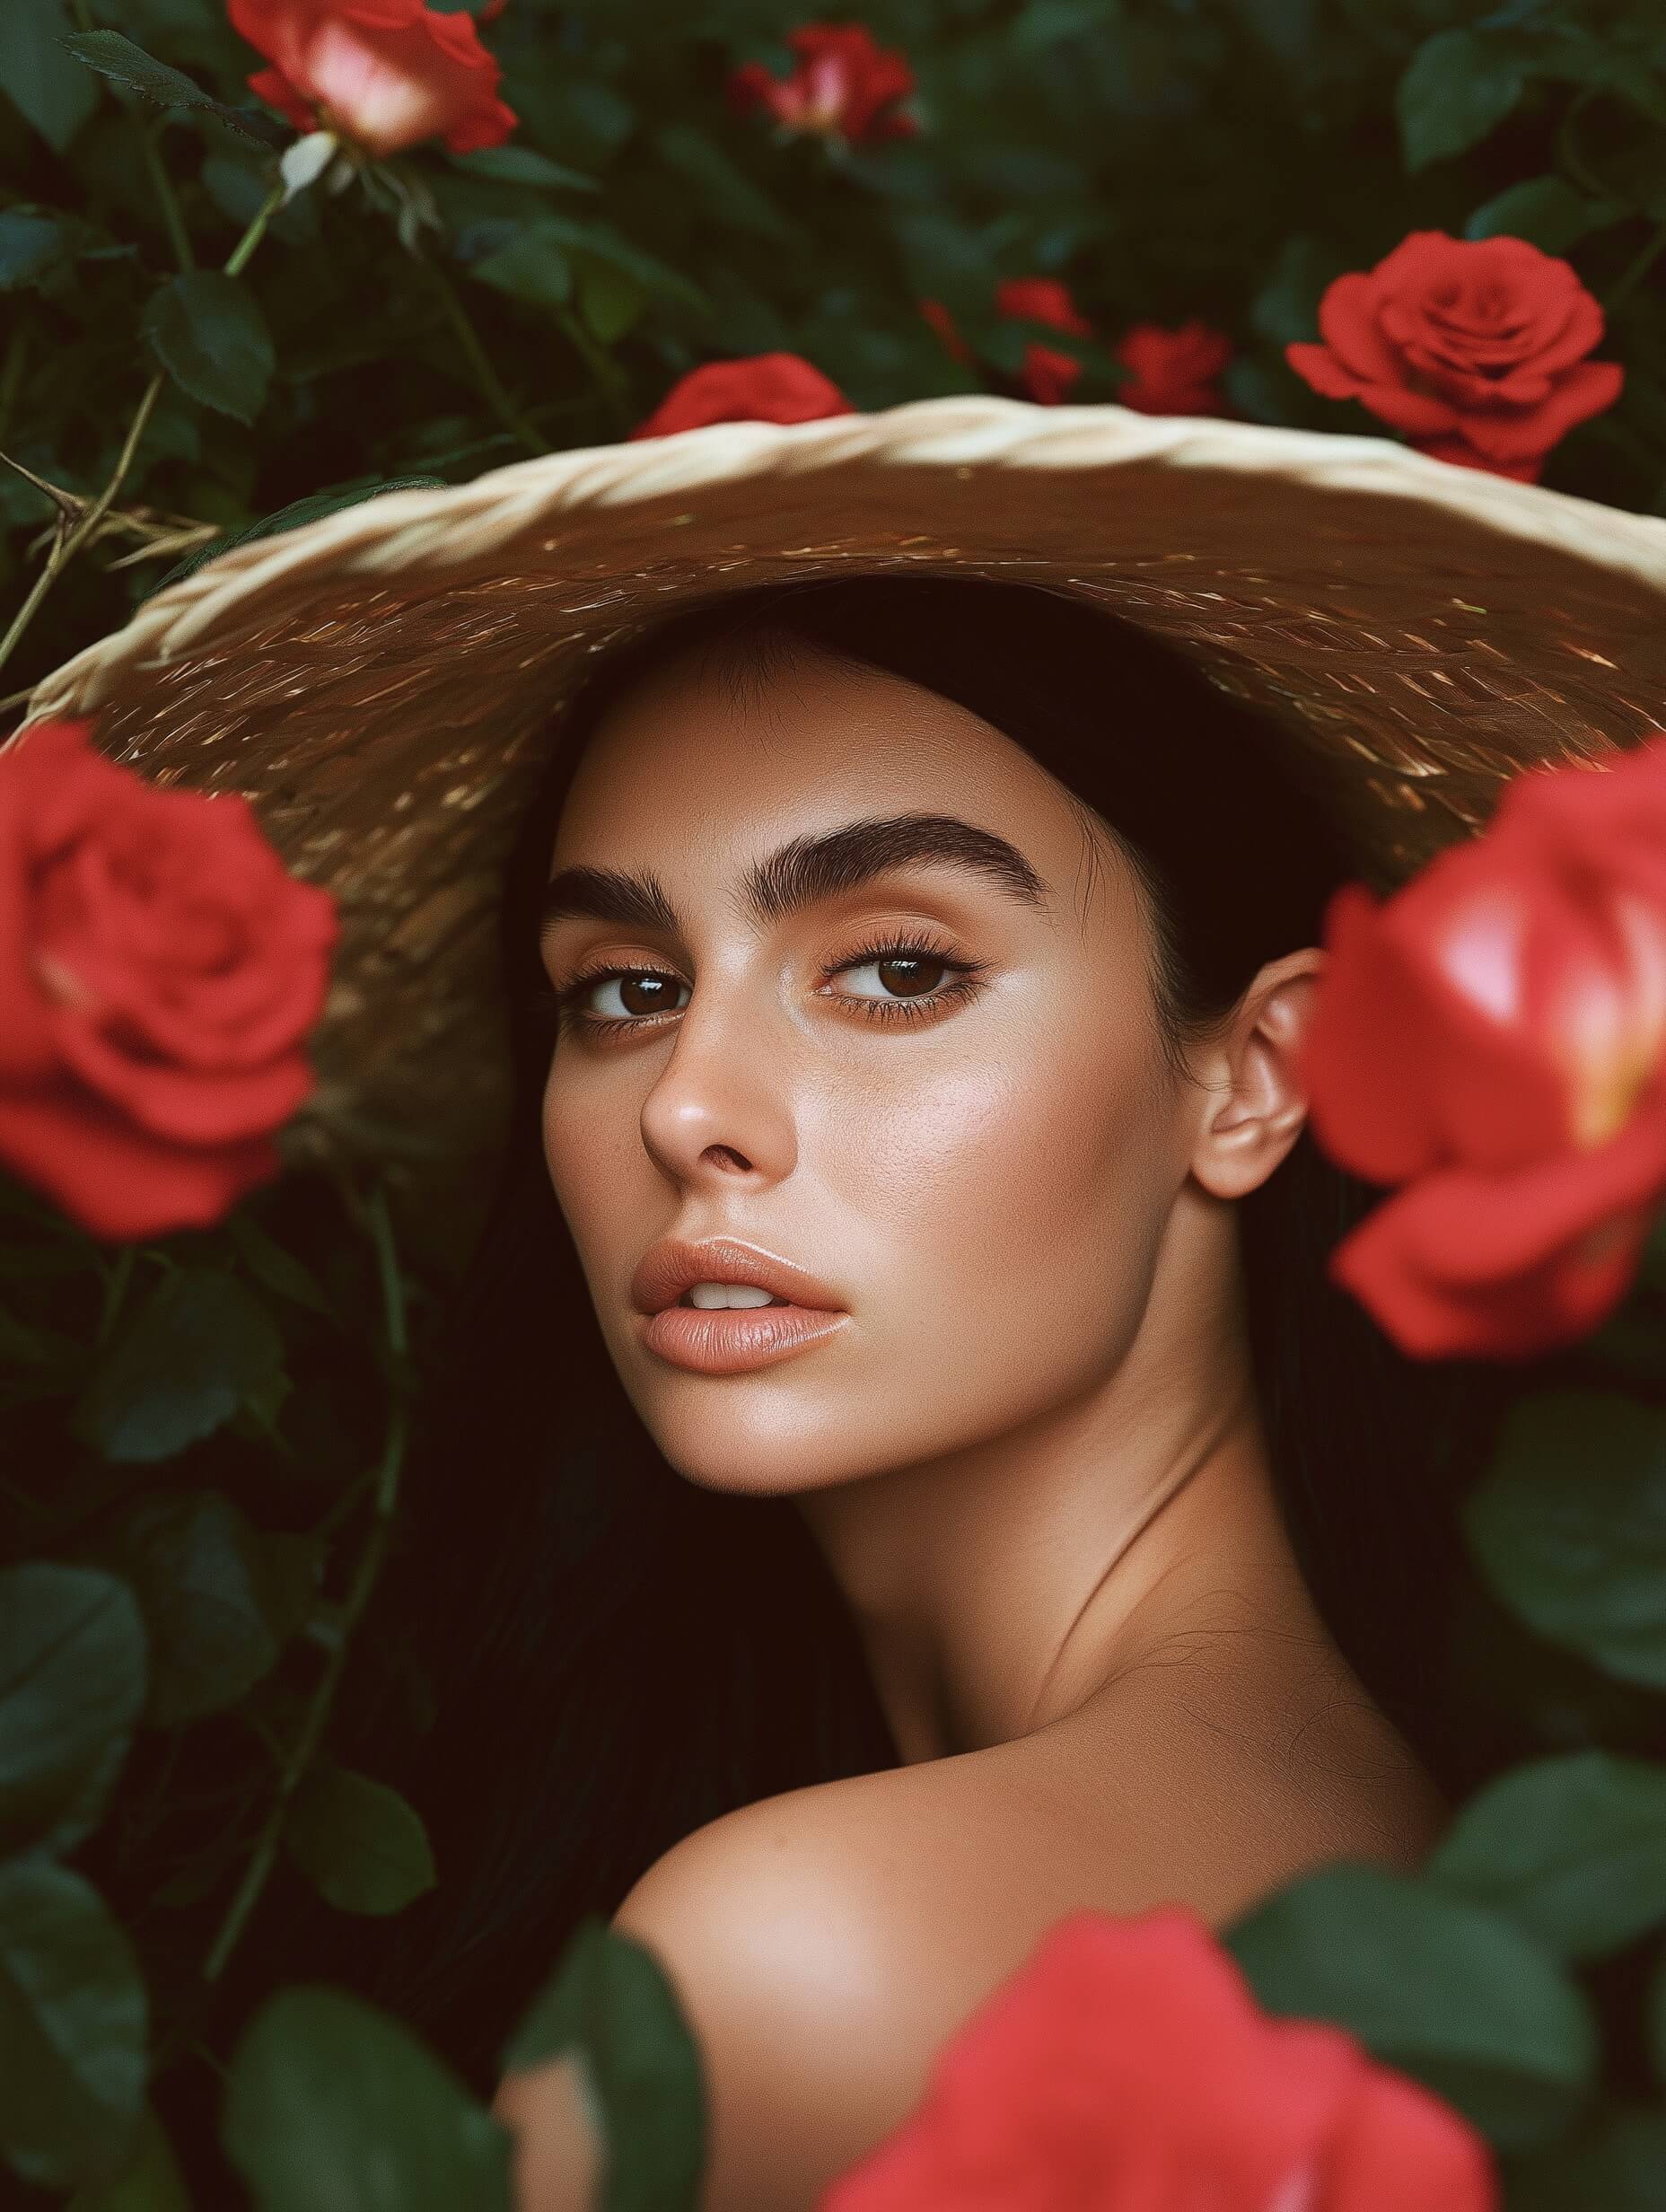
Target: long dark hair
point(582, 1657)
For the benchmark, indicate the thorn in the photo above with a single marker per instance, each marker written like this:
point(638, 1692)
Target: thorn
point(68, 503)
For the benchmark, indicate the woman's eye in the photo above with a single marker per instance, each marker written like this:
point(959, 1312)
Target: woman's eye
point(899, 976)
point(640, 993)
point(909, 982)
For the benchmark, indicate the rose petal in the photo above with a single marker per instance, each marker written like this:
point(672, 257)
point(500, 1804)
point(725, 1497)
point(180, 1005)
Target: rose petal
point(117, 1181)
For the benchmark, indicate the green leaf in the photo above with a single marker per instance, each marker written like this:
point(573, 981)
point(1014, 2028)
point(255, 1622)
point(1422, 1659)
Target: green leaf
point(1572, 1848)
point(1569, 1527)
point(1546, 211)
point(122, 63)
point(1454, 1996)
point(1456, 89)
point(42, 81)
point(361, 1844)
point(150, 2182)
point(221, 1598)
point(609, 300)
point(271, 1263)
point(73, 2020)
point(1287, 307)
point(524, 165)
point(334, 2107)
point(72, 1662)
point(594, 236)
point(300, 512)
point(610, 2001)
point(208, 332)
point(530, 267)
point(193, 1350)
point(724, 191)
point(32, 240)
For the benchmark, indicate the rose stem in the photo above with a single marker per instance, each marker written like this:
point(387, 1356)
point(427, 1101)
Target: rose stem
point(67, 545)
point(485, 375)
point(388, 1473)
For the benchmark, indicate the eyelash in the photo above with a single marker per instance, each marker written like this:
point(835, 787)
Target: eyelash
point(560, 1005)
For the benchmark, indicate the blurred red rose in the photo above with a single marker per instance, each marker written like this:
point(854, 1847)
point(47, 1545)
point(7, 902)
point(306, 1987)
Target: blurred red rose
point(385, 74)
point(1474, 347)
point(1127, 2064)
point(159, 969)
point(1047, 374)
point(765, 388)
point(845, 87)
point(947, 329)
point(1493, 1039)
point(1173, 371)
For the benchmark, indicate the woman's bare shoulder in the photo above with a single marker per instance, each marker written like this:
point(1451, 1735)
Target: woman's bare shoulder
point(824, 1943)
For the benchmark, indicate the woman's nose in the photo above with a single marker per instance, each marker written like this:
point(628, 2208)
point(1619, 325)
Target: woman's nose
point(720, 1105)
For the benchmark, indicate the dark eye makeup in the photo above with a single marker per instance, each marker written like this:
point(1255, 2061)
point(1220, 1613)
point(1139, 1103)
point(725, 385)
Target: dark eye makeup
point(561, 1005)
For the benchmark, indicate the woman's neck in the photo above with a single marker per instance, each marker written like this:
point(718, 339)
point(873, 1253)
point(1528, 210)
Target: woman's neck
point(998, 1588)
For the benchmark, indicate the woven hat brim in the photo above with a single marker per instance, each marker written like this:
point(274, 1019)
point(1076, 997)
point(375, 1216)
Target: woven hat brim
point(385, 685)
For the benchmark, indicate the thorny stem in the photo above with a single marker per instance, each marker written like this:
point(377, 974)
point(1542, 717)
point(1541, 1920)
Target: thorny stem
point(179, 237)
point(484, 375)
point(387, 1491)
point(72, 540)
point(596, 360)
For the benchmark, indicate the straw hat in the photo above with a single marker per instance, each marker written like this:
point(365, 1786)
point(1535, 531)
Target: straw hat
point(384, 685)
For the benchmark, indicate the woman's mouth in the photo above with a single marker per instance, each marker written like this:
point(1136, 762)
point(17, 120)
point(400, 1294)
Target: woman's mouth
point(708, 1339)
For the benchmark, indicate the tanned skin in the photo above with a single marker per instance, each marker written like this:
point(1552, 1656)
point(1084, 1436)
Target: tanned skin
point(1032, 1459)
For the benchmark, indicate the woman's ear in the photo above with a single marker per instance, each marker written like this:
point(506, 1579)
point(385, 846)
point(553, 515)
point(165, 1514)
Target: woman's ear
point(1254, 1105)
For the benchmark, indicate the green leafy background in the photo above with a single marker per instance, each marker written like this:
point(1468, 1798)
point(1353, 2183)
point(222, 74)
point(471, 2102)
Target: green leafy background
point(200, 1442)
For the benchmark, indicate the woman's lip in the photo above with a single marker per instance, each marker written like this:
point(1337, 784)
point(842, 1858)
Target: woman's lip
point(732, 1340)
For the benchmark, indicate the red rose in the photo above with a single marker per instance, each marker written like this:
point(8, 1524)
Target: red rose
point(1127, 2064)
point(1047, 374)
point(845, 87)
point(1493, 1039)
point(158, 971)
point(1474, 347)
point(948, 331)
point(766, 388)
point(1173, 371)
point(382, 73)
point(1041, 298)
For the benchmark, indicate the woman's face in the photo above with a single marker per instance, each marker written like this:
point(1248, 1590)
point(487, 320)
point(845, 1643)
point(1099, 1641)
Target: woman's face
point(976, 1165)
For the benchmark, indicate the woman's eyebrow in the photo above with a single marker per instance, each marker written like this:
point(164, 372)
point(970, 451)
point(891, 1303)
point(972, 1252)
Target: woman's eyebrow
point(805, 870)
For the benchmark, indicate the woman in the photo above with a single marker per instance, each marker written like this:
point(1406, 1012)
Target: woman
point(1095, 1551)
point(971, 1029)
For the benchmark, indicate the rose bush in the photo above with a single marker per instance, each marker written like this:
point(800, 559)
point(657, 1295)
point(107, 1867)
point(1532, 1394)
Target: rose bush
point(159, 971)
point(1492, 1039)
point(845, 87)
point(1173, 371)
point(1127, 2064)
point(385, 74)
point(1474, 347)
point(1047, 375)
point(767, 388)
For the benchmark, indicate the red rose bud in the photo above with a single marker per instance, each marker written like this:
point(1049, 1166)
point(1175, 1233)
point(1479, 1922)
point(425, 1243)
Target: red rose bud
point(1492, 1039)
point(1041, 298)
point(765, 388)
point(948, 331)
point(1047, 374)
point(385, 74)
point(159, 971)
point(845, 87)
point(1173, 371)
point(1128, 2064)
point(1475, 348)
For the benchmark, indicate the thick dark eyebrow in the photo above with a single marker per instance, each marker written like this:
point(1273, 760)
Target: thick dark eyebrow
point(805, 871)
